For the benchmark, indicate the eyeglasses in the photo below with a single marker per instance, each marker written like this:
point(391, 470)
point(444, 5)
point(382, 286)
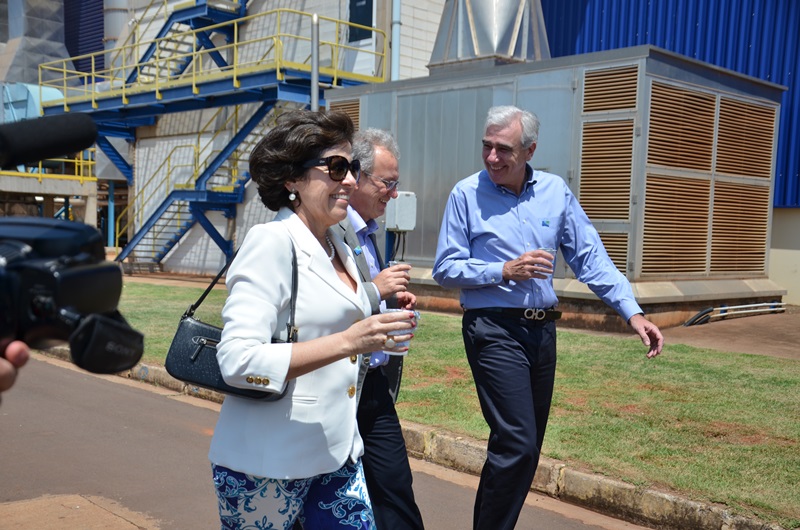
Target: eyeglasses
point(391, 185)
point(338, 167)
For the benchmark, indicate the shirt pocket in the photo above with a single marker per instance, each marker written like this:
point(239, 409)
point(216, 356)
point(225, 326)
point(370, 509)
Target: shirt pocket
point(545, 232)
point(304, 400)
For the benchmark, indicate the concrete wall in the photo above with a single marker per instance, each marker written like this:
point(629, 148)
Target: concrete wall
point(420, 22)
point(784, 256)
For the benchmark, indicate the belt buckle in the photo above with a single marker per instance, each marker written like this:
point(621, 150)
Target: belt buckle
point(534, 314)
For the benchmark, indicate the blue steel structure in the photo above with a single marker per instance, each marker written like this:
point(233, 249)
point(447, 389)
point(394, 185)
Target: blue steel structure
point(83, 29)
point(119, 113)
point(760, 38)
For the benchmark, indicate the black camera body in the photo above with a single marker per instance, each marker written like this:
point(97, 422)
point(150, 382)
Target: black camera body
point(55, 285)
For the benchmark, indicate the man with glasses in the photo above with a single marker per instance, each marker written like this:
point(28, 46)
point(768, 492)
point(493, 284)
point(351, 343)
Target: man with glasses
point(501, 230)
point(385, 460)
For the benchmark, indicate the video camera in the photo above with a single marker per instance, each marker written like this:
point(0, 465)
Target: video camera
point(55, 285)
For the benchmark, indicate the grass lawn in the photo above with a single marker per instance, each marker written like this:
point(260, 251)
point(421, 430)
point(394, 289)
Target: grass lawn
point(712, 426)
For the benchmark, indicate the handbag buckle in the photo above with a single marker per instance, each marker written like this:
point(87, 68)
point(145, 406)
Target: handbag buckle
point(534, 314)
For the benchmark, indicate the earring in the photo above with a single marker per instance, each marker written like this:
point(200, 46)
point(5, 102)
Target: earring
point(293, 195)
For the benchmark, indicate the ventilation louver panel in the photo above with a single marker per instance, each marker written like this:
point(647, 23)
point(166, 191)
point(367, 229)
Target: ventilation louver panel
point(606, 158)
point(739, 230)
point(610, 89)
point(352, 108)
point(746, 137)
point(675, 225)
point(681, 131)
point(617, 247)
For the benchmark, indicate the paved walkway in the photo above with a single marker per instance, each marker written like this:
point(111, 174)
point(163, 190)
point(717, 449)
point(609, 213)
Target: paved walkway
point(85, 451)
point(773, 334)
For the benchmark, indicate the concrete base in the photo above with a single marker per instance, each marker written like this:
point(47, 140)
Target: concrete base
point(51, 187)
point(666, 303)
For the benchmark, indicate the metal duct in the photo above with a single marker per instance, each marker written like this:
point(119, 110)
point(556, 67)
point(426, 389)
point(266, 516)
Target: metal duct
point(489, 31)
point(36, 35)
point(3, 21)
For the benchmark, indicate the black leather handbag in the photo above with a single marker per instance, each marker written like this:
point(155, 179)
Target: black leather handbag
point(192, 356)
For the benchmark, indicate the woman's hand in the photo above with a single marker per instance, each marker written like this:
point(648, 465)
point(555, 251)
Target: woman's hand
point(371, 334)
point(365, 336)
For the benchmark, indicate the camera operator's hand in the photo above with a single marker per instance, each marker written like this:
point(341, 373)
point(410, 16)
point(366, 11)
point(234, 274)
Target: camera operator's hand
point(14, 356)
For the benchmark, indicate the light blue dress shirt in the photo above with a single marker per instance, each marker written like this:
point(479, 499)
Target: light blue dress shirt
point(486, 225)
point(364, 230)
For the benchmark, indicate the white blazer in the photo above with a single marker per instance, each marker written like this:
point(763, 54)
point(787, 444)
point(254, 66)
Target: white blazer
point(312, 429)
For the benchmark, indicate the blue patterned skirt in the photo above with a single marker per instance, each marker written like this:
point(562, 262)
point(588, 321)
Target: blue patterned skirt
point(332, 500)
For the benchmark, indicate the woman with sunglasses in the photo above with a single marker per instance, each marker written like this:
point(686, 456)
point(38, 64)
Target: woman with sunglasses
point(297, 458)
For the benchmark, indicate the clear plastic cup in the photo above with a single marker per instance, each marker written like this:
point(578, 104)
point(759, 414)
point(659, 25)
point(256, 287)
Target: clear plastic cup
point(404, 343)
point(554, 252)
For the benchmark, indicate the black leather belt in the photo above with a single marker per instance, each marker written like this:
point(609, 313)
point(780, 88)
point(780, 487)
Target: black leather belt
point(529, 313)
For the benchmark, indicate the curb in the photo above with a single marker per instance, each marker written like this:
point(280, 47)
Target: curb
point(642, 506)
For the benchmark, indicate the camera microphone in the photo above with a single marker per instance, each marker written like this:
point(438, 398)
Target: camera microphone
point(29, 141)
point(105, 344)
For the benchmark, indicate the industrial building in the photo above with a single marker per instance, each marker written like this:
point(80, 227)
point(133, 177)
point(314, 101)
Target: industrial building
point(673, 121)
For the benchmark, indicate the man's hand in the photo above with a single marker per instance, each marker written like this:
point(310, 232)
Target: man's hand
point(12, 358)
point(649, 332)
point(534, 264)
point(406, 300)
point(392, 280)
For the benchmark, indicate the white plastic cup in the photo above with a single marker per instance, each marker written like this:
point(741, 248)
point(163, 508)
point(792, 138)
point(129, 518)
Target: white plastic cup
point(404, 343)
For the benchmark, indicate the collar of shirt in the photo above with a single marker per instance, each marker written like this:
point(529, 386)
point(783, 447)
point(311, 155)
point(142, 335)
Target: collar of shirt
point(529, 182)
point(362, 228)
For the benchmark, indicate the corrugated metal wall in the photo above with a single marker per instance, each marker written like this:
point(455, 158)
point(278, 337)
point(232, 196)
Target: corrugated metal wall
point(83, 31)
point(760, 38)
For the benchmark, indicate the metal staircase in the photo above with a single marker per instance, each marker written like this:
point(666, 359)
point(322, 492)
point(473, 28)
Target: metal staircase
point(175, 44)
point(193, 185)
point(262, 68)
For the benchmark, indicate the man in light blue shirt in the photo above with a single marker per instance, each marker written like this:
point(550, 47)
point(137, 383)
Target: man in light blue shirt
point(501, 231)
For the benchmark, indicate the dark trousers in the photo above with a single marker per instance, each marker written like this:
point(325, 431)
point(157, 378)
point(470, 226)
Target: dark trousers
point(385, 458)
point(513, 362)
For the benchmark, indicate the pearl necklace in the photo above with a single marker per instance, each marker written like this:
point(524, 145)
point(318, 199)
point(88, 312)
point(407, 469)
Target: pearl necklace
point(330, 246)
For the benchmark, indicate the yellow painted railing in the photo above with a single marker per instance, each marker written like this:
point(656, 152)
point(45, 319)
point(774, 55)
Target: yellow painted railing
point(158, 186)
point(81, 169)
point(180, 169)
point(156, 12)
point(278, 40)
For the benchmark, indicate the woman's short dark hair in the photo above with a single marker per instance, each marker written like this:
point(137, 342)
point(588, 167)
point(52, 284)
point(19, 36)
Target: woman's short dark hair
point(298, 136)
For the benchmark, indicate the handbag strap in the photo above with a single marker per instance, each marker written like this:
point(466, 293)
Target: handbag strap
point(192, 308)
point(291, 330)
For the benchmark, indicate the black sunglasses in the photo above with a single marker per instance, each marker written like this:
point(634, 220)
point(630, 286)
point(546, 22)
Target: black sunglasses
point(338, 167)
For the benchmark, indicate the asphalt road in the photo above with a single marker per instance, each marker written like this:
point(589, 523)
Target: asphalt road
point(86, 451)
